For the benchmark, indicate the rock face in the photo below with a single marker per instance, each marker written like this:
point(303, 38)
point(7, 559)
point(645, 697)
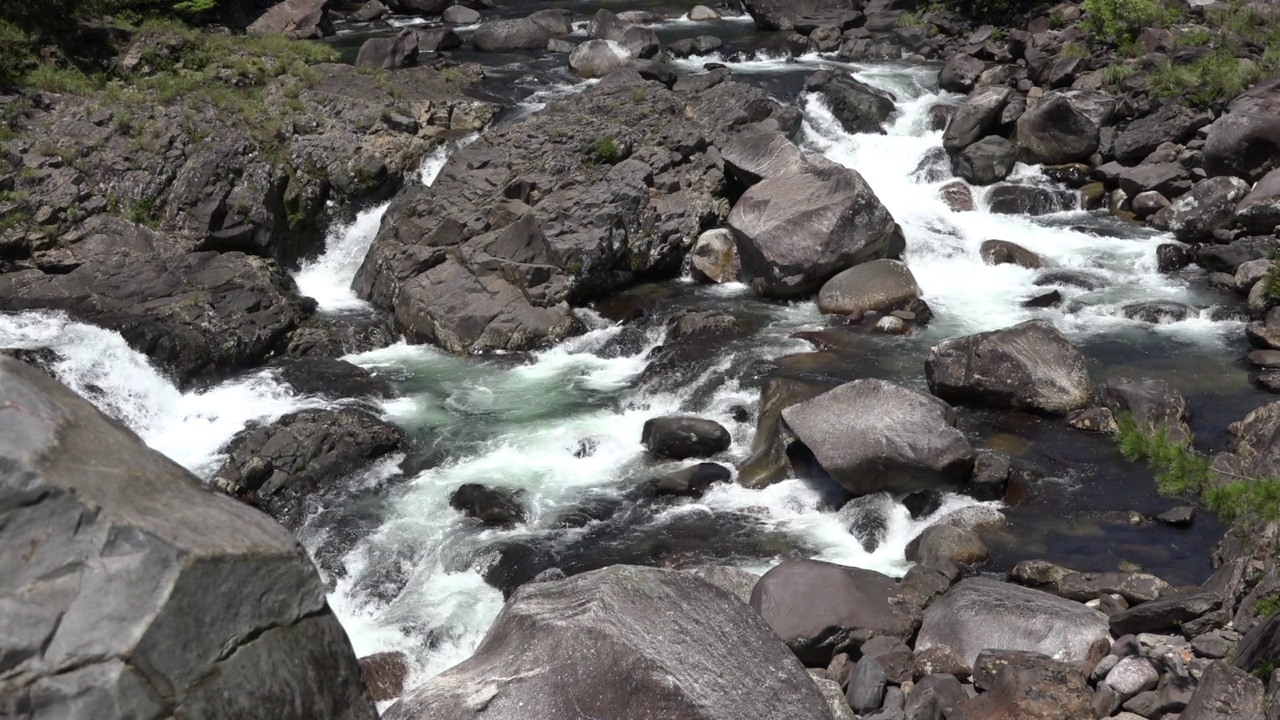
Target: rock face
point(296, 19)
point(1029, 366)
point(879, 285)
point(758, 152)
point(797, 229)
point(859, 107)
point(782, 14)
point(527, 221)
point(644, 660)
point(1062, 127)
point(981, 614)
point(820, 609)
point(873, 435)
point(120, 581)
point(1245, 140)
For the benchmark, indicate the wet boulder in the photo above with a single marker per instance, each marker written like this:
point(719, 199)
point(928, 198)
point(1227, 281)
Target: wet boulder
point(867, 518)
point(1030, 200)
point(645, 660)
point(555, 20)
point(783, 14)
point(981, 614)
point(1029, 366)
point(859, 107)
point(1259, 211)
point(768, 461)
point(880, 285)
point(1153, 404)
point(679, 437)
point(714, 257)
point(1228, 258)
point(692, 481)
point(510, 36)
point(287, 466)
point(331, 378)
point(638, 40)
point(960, 72)
point(1168, 179)
point(975, 118)
point(460, 15)
point(597, 58)
point(986, 161)
point(1210, 206)
point(385, 673)
point(1063, 127)
point(124, 582)
point(797, 229)
point(700, 45)
point(1167, 613)
point(491, 506)
point(872, 436)
point(1173, 122)
point(1002, 252)
point(820, 608)
point(1158, 311)
point(1244, 141)
point(369, 12)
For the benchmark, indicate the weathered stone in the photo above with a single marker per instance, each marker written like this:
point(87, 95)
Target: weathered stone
point(1225, 692)
point(858, 107)
point(1173, 122)
point(1027, 686)
point(597, 58)
point(1062, 127)
point(1245, 140)
point(1001, 252)
point(1131, 676)
point(1211, 205)
point(1259, 211)
point(679, 437)
point(947, 543)
point(297, 19)
point(491, 506)
point(880, 285)
point(986, 161)
point(960, 72)
point(1163, 614)
point(1155, 405)
point(510, 35)
point(714, 257)
point(784, 14)
point(975, 118)
point(384, 674)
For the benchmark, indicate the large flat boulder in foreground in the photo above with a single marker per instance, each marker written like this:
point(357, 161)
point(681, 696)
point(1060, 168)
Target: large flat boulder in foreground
point(128, 589)
point(622, 643)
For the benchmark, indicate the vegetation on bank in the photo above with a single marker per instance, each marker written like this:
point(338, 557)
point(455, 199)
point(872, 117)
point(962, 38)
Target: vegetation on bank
point(1182, 471)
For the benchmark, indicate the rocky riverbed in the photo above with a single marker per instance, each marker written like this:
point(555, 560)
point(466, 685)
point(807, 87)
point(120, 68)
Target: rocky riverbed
point(790, 339)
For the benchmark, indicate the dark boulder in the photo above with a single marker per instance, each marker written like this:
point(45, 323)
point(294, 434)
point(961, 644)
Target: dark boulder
point(287, 466)
point(1259, 211)
point(975, 118)
point(1173, 122)
point(960, 72)
point(1030, 200)
point(1154, 405)
point(679, 437)
point(873, 436)
point(1029, 366)
point(942, 544)
point(880, 285)
point(1001, 252)
point(700, 45)
point(1062, 127)
point(1171, 257)
point(797, 229)
point(1210, 206)
point(1227, 258)
point(768, 462)
point(384, 674)
point(389, 53)
point(295, 19)
point(758, 152)
point(987, 161)
point(331, 378)
point(692, 481)
point(784, 14)
point(124, 582)
point(658, 641)
point(1226, 692)
point(369, 12)
point(1166, 613)
point(820, 609)
point(1244, 141)
point(491, 506)
point(859, 107)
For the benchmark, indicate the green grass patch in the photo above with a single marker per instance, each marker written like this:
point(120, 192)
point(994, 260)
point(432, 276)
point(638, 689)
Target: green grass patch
point(607, 150)
point(1073, 49)
point(1116, 74)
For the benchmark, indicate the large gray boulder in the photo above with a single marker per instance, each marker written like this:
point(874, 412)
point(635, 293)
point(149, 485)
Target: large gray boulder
point(879, 285)
point(1226, 693)
point(1245, 140)
point(858, 107)
point(960, 72)
point(782, 14)
point(1211, 205)
point(797, 229)
point(976, 117)
point(296, 19)
point(872, 436)
point(1155, 405)
point(1029, 366)
point(987, 161)
point(1063, 127)
point(639, 41)
point(1259, 211)
point(1171, 123)
point(622, 643)
point(982, 614)
point(128, 590)
point(510, 35)
point(597, 58)
point(389, 53)
point(758, 152)
point(820, 608)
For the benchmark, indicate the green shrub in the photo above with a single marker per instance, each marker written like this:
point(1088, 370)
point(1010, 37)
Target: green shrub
point(607, 151)
point(1073, 49)
point(1119, 21)
point(1116, 73)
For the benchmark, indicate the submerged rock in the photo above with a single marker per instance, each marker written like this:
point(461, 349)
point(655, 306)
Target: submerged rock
point(491, 506)
point(659, 662)
point(858, 107)
point(679, 437)
point(123, 581)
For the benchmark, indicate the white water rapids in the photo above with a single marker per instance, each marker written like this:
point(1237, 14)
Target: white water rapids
point(521, 425)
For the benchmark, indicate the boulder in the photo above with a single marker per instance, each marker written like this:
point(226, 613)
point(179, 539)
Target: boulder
point(1210, 206)
point(783, 14)
point(1029, 366)
point(957, 195)
point(1158, 311)
point(934, 696)
point(555, 20)
point(1154, 405)
point(1001, 252)
point(1226, 693)
point(287, 466)
point(768, 462)
point(1134, 587)
point(657, 642)
point(1173, 122)
point(960, 72)
point(1228, 258)
point(880, 285)
point(500, 507)
point(510, 36)
point(1030, 200)
point(759, 152)
point(700, 45)
point(820, 608)
point(1062, 127)
point(975, 118)
point(597, 58)
point(1131, 676)
point(872, 436)
point(384, 674)
point(295, 19)
point(736, 581)
point(370, 11)
point(1166, 613)
point(439, 39)
point(389, 53)
point(1244, 141)
point(797, 229)
point(123, 582)
point(460, 15)
point(1027, 686)
point(692, 481)
point(986, 161)
point(639, 41)
point(714, 257)
point(679, 437)
point(702, 13)
point(980, 614)
point(859, 107)
point(941, 544)
point(331, 378)
point(1172, 257)
point(1169, 179)
point(1259, 211)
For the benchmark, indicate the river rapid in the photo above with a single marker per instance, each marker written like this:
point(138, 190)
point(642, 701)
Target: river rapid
point(563, 425)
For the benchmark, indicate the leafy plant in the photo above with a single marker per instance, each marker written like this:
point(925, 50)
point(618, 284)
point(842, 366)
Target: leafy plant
point(607, 150)
point(1118, 21)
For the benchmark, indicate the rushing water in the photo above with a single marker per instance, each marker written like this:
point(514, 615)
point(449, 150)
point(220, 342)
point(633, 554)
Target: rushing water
point(563, 425)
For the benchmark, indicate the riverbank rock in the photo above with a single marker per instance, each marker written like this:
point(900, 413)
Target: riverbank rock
point(1027, 686)
point(986, 161)
point(1002, 252)
point(960, 72)
point(1259, 211)
point(287, 466)
point(679, 437)
point(122, 582)
point(797, 229)
point(980, 614)
point(1029, 366)
point(783, 14)
point(942, 544)
point(645, 660)
point(879, 285)
point(597, 58)
point(873, 436)
point(768, 462)
point(533, 219)
point(295, 19)
point(385, 673)
point(1155, 405)
point(714, 257)
point(820, 608)
point(758, 152)
point(510, 35)
point(1062, 127)
point(859, 107)
point(975, 118)
point(1245, 140)
point(1225, 692)
point(1210, 206)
